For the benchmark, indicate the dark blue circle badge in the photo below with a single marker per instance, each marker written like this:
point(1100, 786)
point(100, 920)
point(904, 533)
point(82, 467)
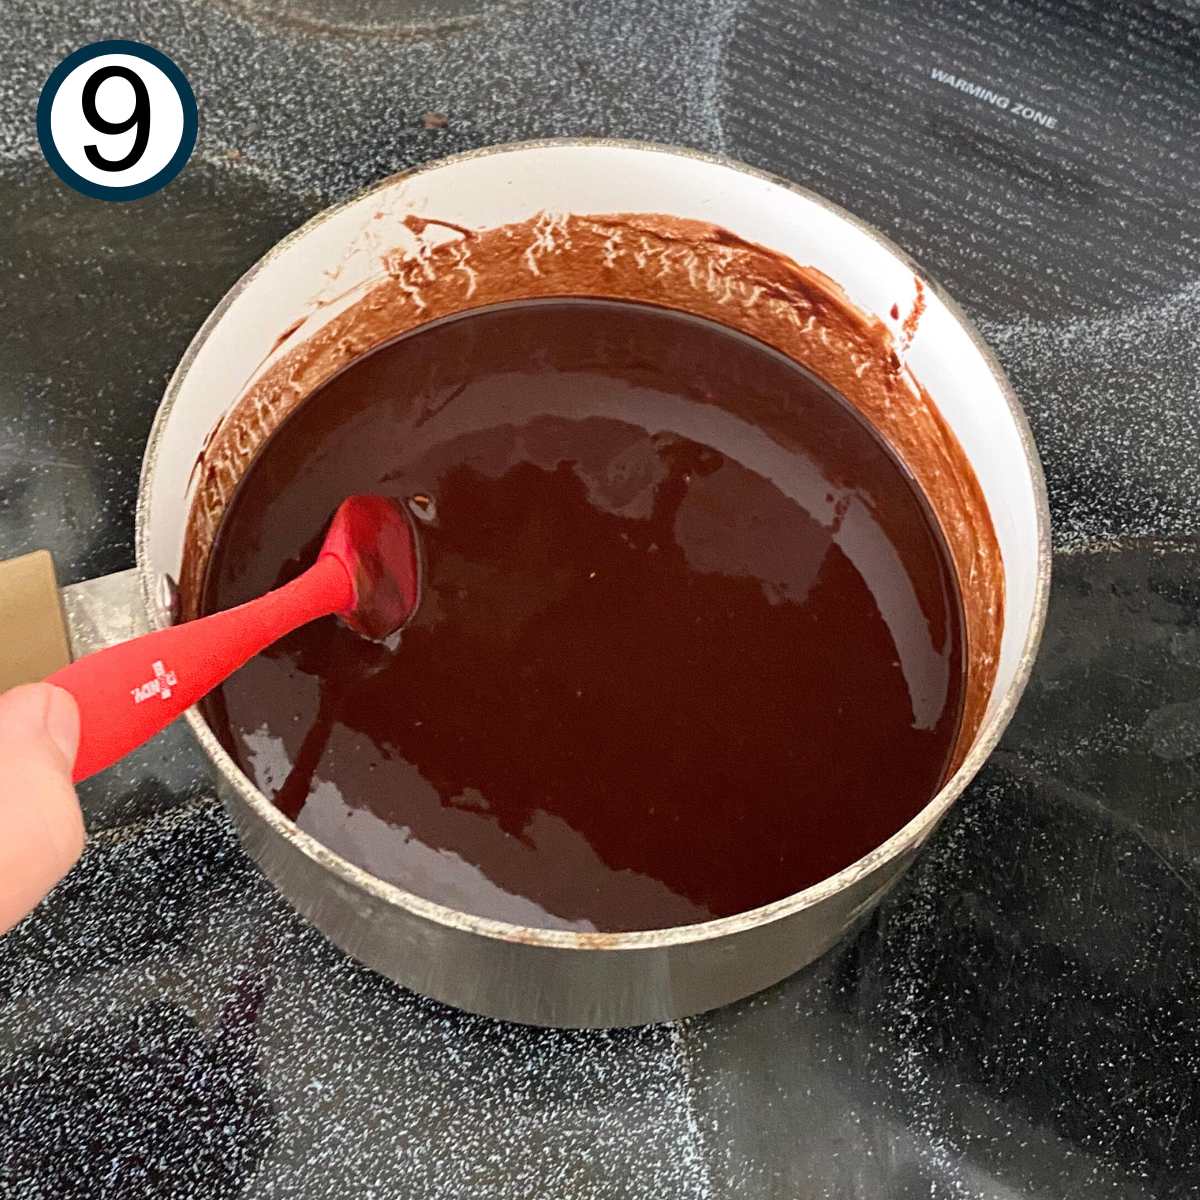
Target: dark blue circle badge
point(117, 120)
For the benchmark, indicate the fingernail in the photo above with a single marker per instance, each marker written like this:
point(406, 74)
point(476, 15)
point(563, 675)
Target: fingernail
point(62, 722)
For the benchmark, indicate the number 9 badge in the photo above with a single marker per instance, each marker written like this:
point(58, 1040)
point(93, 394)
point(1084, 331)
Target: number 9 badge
point(117, 120)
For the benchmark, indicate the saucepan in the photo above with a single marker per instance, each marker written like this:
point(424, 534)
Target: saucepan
point(311, 279)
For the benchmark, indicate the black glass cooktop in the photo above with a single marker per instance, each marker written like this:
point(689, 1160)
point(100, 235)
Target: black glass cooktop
point(1019, 1019)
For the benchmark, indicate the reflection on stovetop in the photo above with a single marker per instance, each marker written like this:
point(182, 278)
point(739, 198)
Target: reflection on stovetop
point(1039, 158)
point(1018, 1020)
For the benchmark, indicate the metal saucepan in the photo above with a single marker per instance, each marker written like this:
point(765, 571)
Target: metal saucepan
point(556, 977)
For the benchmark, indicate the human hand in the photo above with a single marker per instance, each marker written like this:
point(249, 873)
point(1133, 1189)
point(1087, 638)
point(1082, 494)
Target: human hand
point(41, 826)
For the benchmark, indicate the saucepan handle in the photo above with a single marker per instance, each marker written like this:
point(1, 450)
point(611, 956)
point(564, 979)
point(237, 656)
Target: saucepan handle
point(45, 627)
point(102, 612)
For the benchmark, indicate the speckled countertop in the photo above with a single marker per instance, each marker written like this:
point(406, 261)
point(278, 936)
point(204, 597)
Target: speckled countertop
point(1022, 1017)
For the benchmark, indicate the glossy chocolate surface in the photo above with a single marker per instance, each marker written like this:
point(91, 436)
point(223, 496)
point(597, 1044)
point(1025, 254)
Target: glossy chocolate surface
point(666, 666)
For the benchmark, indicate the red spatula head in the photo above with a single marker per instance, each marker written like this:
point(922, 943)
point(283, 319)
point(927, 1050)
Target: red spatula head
point(372, 537)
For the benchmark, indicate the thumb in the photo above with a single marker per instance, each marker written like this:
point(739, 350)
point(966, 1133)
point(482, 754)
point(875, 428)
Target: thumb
point(41, 826)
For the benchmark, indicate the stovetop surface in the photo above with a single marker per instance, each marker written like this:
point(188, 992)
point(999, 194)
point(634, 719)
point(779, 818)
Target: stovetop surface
point(1020, 1017)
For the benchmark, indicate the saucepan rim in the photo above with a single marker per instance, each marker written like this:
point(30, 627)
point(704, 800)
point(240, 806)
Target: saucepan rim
point(905, 839)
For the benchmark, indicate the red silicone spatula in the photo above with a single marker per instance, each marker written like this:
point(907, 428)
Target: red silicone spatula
point(366, 573)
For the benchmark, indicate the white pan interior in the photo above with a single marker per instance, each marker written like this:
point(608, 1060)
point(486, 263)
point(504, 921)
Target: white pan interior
point(314, 273)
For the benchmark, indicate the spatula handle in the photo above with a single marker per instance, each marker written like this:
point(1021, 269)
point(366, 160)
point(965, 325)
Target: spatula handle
point(127, 693)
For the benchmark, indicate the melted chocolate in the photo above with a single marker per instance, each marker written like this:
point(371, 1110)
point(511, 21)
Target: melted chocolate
point(689, 638)
point(690, 266)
